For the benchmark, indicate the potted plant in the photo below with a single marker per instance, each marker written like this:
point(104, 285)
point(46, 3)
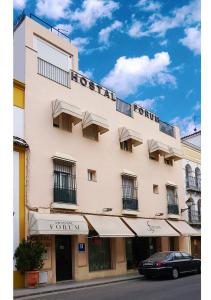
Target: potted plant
point(29, 260)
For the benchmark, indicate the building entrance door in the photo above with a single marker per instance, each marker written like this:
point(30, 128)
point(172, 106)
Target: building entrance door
point(196, 246)
point(63, 257)
point(140, 248)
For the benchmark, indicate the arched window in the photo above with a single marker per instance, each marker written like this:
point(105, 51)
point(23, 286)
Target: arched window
point(198, 177)
point(188, 173)
point(191, 210)
point(199, 209)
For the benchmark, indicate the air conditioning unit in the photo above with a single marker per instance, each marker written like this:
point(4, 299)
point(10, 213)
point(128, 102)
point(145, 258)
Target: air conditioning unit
point(43, 277)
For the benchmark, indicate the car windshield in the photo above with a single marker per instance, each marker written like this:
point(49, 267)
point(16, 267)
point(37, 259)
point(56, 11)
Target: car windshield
point(159, 256)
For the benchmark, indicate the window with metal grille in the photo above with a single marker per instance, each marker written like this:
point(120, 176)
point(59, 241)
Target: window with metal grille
point(172, 199)
point(129, 192)
point(64, 182)
point(126, 146)
point(99, 252)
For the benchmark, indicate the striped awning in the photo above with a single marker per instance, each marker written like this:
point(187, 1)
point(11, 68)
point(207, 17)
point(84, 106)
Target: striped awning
point(61, 107)
point(126, 134)
point(174, 153)
point(90, 119)
point(158, 147)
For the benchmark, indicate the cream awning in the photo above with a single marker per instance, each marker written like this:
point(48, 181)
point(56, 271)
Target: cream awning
point(67, 224)
point(93, 119)
point(59, 107)
point(126, 134)
point(174, 153)
point(158, 147)
point(108, 226)
point(150, 227)
point(64, 157)
point(183, 228)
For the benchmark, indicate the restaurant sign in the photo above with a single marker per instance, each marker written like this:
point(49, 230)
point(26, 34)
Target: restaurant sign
point(152, 228)
point(93, 86)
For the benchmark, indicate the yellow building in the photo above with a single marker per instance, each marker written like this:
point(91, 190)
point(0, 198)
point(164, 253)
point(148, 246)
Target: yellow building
point(191, 145)
point(19, 152)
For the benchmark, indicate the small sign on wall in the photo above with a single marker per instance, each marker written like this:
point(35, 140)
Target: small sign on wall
point(81, 247)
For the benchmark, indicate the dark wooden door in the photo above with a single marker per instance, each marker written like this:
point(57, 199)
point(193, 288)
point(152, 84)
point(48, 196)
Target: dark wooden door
point(63, 258)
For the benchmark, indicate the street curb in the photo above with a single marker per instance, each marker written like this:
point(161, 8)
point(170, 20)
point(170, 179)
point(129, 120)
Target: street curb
point(79, 286)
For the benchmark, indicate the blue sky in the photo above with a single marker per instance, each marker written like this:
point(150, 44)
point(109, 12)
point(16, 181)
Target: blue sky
point(147, 51)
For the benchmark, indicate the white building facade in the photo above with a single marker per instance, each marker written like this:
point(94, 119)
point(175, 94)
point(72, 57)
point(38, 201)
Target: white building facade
point(104, 185)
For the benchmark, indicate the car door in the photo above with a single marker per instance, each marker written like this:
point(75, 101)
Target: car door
point(189, 263)
point(179, 262)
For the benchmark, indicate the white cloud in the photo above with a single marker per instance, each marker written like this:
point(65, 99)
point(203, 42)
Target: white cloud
point(149, 6)
point(163, 43)
point(186, 125)
point(53, 9)
point(19, 4)
point(104, 33)
point(64, 29)
point(136, 29)
point(180, 17)
point(80, 43)
point(158, 25)
point(87, 73)
point(147, 103)
point(128, 74)
point(190, 92)
point(197, 107)
point(92, 10)
point(192, 40)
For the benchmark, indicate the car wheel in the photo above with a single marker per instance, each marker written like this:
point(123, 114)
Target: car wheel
point(199, 270)
point(175, 273)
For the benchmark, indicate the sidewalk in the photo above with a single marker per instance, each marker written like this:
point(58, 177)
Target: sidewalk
point(70, 285)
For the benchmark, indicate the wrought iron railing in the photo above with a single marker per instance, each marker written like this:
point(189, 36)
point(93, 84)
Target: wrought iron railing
point(193, 183)
point(130, 197)
point(167, 128)
point(53, 72)
point(194, 217)
point(123, 107)
point(130, 204)
point(173, 209)
point(63, 195)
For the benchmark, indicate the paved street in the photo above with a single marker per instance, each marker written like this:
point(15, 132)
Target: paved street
point(185, 288)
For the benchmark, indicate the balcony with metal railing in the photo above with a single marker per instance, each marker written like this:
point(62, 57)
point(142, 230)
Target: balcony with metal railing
point(53, 72)
point(193, 183)
point(130, 197)
point(194, 217)
point(63, 195)
point(173, 209)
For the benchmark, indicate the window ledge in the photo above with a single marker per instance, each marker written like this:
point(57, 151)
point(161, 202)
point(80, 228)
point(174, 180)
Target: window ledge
point(64, 206)
point(130, 212)
point(173, 216)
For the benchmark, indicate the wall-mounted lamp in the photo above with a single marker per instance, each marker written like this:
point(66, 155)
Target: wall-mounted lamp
point(189, 204)
point(159, 214)
point(106, 209)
